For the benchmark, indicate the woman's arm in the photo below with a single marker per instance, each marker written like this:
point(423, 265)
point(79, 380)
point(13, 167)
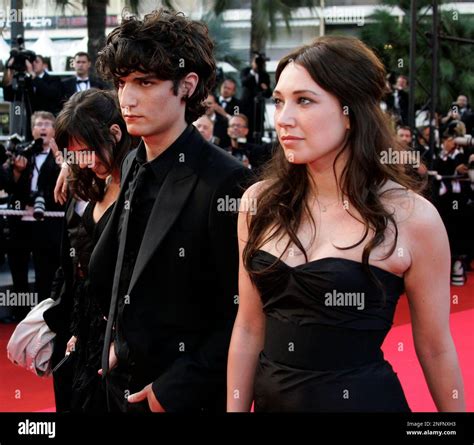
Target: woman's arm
point(427, 286)
point(248, 332)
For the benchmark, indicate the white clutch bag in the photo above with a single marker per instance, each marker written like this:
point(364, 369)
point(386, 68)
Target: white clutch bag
point(31, 344)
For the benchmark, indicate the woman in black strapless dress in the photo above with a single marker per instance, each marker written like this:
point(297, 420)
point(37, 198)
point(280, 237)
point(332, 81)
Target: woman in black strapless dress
point(321, 357)
point(329, 239)
point(94, 132)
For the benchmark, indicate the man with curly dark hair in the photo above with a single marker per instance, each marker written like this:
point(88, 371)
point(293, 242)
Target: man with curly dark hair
point(169, 256)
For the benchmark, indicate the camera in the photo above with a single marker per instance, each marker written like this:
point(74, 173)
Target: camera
point(20, 55)
point(27, 150)
point(39, 206)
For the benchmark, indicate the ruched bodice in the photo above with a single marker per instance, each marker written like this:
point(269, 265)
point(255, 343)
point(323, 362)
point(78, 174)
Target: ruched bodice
point(321, 292)
point(326, 321)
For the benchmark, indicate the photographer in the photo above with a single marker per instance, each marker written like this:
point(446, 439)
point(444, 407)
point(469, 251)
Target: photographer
point(459, 110)
point(32, 175)
point(397, 100)
point(219, 122)
point(452, 199)
point(255, 88)
point(44, 90)
point(467, 142)
point(253, 155)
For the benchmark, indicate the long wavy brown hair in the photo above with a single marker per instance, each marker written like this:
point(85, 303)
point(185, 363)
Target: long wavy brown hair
point(349, 70)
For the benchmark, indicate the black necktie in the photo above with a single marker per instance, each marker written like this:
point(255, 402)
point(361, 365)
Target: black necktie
point(78, 81)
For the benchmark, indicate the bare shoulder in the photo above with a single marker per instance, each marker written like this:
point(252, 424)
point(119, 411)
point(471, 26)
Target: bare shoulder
point(257, 189)
point(412, 212)
point(249, 201)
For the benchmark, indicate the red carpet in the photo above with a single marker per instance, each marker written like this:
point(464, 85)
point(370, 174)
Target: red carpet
point(400, 351)
point(22, 391)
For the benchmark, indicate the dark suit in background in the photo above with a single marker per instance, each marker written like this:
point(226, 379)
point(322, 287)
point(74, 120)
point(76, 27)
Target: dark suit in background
point(258, 154)
point(70, 86)
point(397, 103)
point(40, 238)
point(232, 106)
point(250, 90)
point(45, 93)
point(220, 130)
point(170, 262)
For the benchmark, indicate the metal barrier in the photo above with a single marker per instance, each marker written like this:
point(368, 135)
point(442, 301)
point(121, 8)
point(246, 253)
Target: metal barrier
point(10, 212)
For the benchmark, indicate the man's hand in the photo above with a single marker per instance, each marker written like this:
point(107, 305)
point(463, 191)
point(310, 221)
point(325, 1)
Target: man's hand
point(220, 110)
point(20, 163)
point(8, 73)
point(112, 359)
point(462, 169)
point(60, 190)
point(29, 69)
point(71, 345)
point(147, 393)
point(422, 170)
point(58, 156)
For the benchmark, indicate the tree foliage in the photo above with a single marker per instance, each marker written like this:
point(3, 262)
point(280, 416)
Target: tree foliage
point(391, 40)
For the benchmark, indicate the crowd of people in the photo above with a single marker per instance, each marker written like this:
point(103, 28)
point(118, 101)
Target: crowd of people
point(28, 175)
point(46, 92)
point(447, 168)
point(189, 265)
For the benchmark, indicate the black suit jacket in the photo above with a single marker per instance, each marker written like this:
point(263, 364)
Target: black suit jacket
point(250, 88)
point(233, 106)
point(20, 191)
point(69, 86)
point(258, 154)
point(45, 94)
point(178, 322)
point(220, 130)
point(403, 100)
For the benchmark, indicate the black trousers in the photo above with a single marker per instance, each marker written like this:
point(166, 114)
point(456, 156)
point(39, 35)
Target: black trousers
point(62, 377)
point(41, 239)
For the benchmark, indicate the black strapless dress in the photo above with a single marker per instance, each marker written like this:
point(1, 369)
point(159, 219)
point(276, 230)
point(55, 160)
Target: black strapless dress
point(88, 323)
point(325, 323)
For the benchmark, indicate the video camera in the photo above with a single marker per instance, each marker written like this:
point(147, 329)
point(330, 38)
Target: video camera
point(28, 150)
point(260, 60)
point(20, 55)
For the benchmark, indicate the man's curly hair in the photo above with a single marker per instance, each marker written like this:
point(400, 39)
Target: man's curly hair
point(164, 43)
